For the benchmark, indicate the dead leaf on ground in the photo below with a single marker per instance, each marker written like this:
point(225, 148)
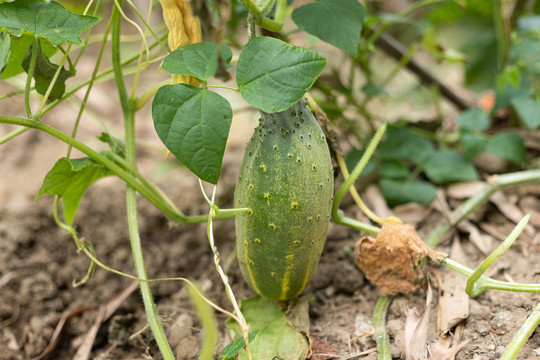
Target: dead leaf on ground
point(416, 331)
point(483, 242)
point(105, 311)
point(509, 209)
point(412, 213)
point(449, 354)
point(321, 350)
point(58, 330)
point(464, 190)
point(393, 260)
point(376, 202)
point(453, 301)
point(531, 205)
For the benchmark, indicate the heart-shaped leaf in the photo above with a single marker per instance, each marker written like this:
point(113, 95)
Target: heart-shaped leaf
point(194, 124)
point(198, 60)
point(273, 75)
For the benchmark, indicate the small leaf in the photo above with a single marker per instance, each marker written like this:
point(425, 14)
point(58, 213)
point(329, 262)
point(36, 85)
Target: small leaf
point(394, 170)
point(48, 20)
point(474, 119)
point(198, 60)
point(402, 144)
point(529, 110)
point(338, 22)
point(447, 166)
point(117, 146)
point(509, 77)
point(69, 179)
point(194, 124)
point(276, 339)
point(19, 48)
point(473, 144)
point(508, 146)
point(5, 42)
point(44, 73)
point(371, 89)
point(273, 75)
point(230, 351)
point(397, 192)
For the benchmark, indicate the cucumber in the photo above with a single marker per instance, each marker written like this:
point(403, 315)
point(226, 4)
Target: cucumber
point(286, 182)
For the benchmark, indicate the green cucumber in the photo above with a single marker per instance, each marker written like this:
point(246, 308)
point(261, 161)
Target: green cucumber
point(286, 181)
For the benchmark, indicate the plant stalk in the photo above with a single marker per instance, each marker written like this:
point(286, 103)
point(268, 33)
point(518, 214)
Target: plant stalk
point(379, 331)
point(29, 79)
point(131, 196)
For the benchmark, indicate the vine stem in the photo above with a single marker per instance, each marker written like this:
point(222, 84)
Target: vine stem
point(224, 278)
point(29, 79)
point(131, 196)
point(523, 334)
point(356, 172)
point(379, 331)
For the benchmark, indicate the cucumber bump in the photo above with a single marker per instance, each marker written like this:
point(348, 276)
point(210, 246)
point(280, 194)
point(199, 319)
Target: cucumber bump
point(286, 182)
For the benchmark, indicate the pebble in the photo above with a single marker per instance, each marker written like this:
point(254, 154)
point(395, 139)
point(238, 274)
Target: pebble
point(483, 327)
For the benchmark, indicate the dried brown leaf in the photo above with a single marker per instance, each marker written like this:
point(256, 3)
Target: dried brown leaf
point(105, 311)
point(464, 190)
point(453, 301)
point(393, 260)
point(321, 350)
point(449, 354)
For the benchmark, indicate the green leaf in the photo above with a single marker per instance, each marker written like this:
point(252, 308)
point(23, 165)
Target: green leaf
point(194, 124)
point(448, 166)
point(19, 48)
point(510, 76)
point(529, 110)
point(5, 42)
point(69, 179)
point(44, 74)
point(402, 144)
point(371, 89)
point(117, 146)
point(394, 170)
point(230, 351)
point(48, 20)
point(473, 144)
point(397, 192)
point(273, 75)
point(198, 60)
point(474, 119)
point(508, 146)
point(338, 22)
point(277, 338)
